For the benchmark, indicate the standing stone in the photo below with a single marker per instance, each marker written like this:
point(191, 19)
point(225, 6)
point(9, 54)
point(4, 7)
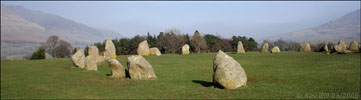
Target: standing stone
point(139, 68)
point(227, 72)
point(79, 59)
point(143, 48)
point(109, 50)
point(90, 63)
point(185, 49)
point(265, 47)
point(155, 51)
point(341, 47)
point(240, 48)
point(325, 48)
point(275, 49)
point(116, 68)
point(305, 47)
point(354, 46)
point(94, 53)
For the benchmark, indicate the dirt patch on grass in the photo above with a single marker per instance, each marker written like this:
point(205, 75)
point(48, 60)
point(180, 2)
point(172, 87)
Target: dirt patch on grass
point(252, 80)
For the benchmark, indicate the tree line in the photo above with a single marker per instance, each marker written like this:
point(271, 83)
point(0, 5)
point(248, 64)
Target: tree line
point(171, 41)
point(168, 42)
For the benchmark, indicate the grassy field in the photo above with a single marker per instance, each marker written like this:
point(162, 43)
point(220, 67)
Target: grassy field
point(270, 75)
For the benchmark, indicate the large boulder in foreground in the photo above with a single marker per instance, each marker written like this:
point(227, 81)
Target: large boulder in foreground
point(109, 52)
point(265, 47)
point(185, 49)
point(90, 63)
point(275, 49)
point(143, 48)
point(155, 51)
point(305, 47)
point(354, 46)
point(227, 72)
point(139, 68)
point(240, 48)
point(79, 59)
point(116, 68)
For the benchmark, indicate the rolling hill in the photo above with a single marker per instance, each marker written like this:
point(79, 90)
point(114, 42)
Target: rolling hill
point(18, 23)
point(346, 27)
point(33, 27)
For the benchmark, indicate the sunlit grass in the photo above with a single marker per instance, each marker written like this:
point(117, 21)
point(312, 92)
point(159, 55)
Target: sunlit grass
point(270, 75)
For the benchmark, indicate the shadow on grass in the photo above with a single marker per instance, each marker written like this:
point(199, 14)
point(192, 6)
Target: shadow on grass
point(207, 84)
point(126, 74)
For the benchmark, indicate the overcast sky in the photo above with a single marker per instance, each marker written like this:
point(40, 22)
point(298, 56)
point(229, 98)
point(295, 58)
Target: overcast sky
point(256, 19)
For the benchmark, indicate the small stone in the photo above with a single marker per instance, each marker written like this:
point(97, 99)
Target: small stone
point(275, 49)
point(116, 68)
point(155, 51)
point(265, 47)
point(139, 68)
point(324, 47)
point(354, 46)
point(90, 63)
point(79, 59)
point(109, 52)
point(240, 48)
point(143, 48)
point(185, 49)
point(305, 47)
point(340, 47)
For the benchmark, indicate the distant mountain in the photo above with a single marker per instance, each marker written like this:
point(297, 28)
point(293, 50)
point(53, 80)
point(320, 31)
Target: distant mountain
point(22, 30)
point(18, 23)
point(346, 27)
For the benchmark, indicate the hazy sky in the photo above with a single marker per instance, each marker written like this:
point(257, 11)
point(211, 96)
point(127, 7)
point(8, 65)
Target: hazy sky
point(246, 18)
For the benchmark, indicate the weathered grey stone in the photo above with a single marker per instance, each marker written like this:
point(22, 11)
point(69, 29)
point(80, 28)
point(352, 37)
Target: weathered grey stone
point(325, 48)
point(265, 47)
point(79, 59)
point(109, 52)
point(305, 47)
point(340, 47)
point(227, 72)
point(143, 48)
point(94, 53)
point(185, 49)
point(240, 48)
point(90, 63)
point(354, 46)
point(116, 68)
point(155, 51)
point(139, 68)
point(275, 49)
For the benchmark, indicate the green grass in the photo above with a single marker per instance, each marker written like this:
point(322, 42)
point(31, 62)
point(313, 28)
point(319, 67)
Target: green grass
point(270, 75)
